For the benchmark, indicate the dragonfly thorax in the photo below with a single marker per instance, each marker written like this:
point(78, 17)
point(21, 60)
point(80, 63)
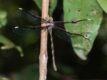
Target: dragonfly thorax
point(49, 23)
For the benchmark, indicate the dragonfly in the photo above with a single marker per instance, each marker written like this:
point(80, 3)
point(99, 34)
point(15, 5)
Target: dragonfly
point(51, 26)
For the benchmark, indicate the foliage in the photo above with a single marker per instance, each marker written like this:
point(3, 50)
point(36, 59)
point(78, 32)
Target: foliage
point(103, 4)
point(3, 19)
point(77, 10)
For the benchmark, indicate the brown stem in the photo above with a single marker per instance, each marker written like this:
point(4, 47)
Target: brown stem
point(43, 45)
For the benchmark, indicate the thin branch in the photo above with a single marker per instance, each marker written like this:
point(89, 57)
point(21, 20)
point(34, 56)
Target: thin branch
point(43, 45)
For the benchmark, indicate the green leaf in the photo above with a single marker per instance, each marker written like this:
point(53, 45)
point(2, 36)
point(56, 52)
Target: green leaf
point(7, 44)
point(103, 4)
point(3, 18)
point(52, 5)
point(38, 3)
point(82, 9)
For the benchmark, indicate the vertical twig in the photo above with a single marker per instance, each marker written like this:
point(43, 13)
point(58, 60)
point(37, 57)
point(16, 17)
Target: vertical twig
point(43, 45)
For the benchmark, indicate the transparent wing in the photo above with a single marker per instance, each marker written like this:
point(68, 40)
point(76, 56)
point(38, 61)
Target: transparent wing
point(61, 23)
point(63, 34)
point(28, 18)
point(25, 36)
point(26, 32)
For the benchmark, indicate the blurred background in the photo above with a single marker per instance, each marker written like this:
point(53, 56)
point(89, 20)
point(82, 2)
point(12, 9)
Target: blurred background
point(19, 47)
